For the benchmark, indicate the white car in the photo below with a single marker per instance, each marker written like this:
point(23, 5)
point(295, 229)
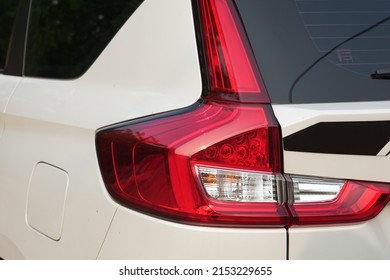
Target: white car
point(203, 129)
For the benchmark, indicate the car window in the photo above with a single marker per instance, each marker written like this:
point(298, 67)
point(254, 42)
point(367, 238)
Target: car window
point(7, 15)
point(329, 23)
point(66, 36)
point(320, 51)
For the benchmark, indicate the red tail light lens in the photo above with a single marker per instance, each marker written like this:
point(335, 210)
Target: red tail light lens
point(231, 68)
point(354, 202)
point(160, 166)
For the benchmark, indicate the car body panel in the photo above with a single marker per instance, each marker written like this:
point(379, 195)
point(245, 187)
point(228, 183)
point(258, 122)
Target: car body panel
point(7, 87)
point(47, 149)
point(54, 122)
point(293, 118)
point(135, 236)
point(368, 240)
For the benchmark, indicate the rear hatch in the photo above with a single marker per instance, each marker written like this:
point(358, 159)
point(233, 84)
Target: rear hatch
point(325, 66)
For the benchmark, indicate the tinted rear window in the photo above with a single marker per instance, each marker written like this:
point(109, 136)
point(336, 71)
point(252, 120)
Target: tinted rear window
point(66, 36)
point(289, 38)
point(330, 23)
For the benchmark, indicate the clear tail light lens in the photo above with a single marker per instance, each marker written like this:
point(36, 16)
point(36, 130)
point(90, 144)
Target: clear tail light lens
point(236, 185)
point(306, 189)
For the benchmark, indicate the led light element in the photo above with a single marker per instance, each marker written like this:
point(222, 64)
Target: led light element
point(236, 185)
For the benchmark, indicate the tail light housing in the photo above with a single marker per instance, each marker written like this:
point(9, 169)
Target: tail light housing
point(211, 164)
point(218, 162)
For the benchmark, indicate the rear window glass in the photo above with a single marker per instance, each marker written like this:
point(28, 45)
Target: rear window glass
point(66, 36)
point(7, 16)
point(319, 51)
point(330, 23)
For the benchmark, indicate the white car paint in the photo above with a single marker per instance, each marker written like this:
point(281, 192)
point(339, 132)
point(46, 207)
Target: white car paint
point(55, 121)
point(368, 240)
point(135, 236)
point(46, 215)
point(293, 118)
point(7, 87)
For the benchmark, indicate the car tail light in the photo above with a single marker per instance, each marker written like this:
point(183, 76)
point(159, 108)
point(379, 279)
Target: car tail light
point(218, 162)
point(211, 164)
point(324, 201)
point(231, 69)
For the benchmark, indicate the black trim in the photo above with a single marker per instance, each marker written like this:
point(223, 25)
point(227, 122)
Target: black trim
point(350, 138)
point(15, 57)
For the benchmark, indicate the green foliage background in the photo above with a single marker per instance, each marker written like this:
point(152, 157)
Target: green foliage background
point(7, 14)
point(65, 36)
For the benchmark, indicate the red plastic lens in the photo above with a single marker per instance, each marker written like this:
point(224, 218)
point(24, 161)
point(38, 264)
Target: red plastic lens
point(147, 166)
point(153, 165)
point(249, 150)
point(356, 202)
point(231, 66)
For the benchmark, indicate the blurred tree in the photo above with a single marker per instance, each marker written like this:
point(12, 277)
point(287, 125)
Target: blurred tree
point(66, 36)
point(7, 15)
